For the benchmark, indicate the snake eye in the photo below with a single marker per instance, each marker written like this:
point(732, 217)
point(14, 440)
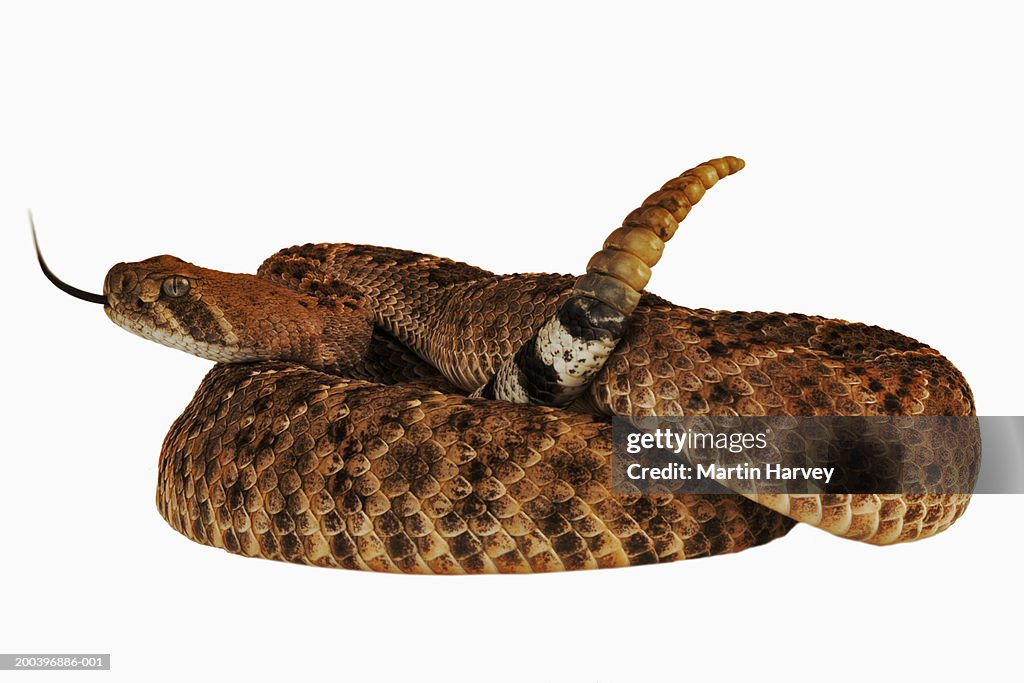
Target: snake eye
point(176, 286)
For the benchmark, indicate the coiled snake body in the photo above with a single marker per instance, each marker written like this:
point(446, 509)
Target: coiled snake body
point(337, 430)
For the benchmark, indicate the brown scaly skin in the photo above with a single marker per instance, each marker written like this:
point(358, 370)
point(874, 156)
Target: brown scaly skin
point(312, 468)
point(679, 361)
point(281, 461)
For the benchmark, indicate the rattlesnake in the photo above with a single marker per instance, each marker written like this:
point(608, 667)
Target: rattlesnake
point(336, 430)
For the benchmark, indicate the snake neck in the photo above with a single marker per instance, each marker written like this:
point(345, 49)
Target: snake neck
point(405, 290)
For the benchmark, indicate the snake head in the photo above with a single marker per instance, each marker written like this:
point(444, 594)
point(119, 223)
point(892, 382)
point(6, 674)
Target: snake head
point(230, 317)
point(175, 303)
point(233, 317)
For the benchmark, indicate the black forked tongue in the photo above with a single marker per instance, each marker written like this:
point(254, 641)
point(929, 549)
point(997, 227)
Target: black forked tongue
point(73, 291)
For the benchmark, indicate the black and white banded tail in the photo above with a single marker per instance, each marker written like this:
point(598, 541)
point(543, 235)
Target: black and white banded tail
point(556, 365)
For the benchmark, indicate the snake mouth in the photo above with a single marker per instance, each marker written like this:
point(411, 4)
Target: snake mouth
point(60, 284)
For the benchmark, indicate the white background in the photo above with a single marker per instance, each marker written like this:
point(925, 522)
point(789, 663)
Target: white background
point(882, 185)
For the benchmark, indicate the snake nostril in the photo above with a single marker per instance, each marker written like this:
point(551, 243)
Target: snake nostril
point(128, 281)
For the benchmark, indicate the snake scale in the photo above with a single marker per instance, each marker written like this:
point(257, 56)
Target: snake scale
point(337, 427)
